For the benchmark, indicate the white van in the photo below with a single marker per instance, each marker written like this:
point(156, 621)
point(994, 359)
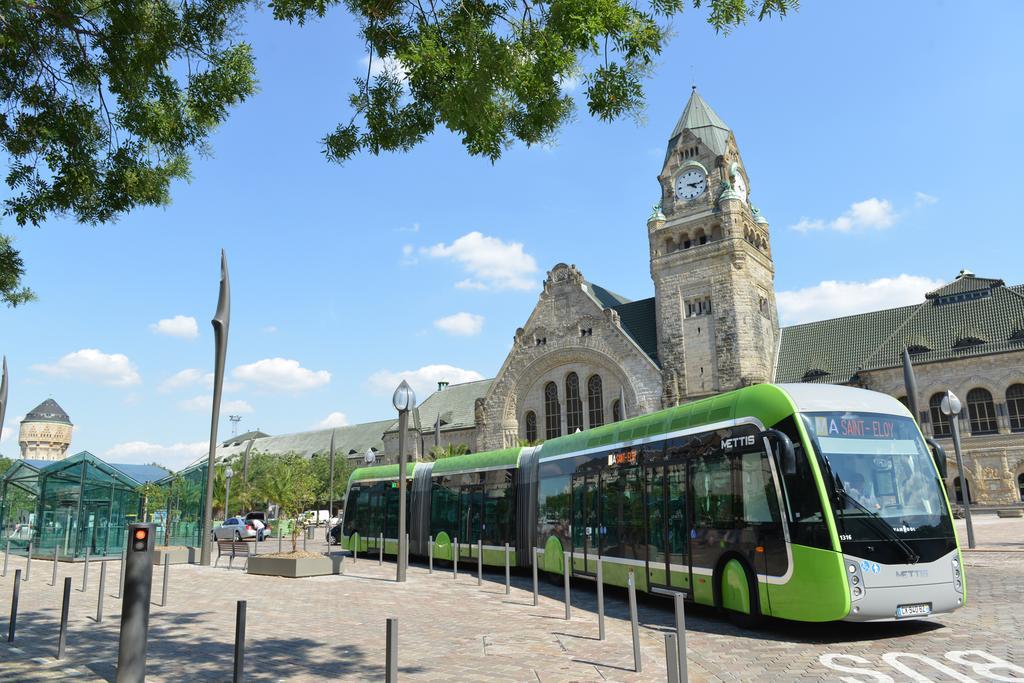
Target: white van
point(315, 517)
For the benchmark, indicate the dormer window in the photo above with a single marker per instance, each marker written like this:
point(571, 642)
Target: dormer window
point(968, 342)
point(813, 374)
point(916, 349)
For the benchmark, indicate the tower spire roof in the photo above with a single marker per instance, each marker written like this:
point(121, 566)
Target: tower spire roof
point(701, 119)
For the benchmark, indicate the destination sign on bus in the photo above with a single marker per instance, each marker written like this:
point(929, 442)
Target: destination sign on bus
point(853, 427)
point(626, 457)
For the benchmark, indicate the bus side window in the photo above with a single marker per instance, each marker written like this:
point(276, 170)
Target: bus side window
point(807, 526)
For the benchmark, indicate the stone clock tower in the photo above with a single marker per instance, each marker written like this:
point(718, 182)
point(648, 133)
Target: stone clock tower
point(711, 263)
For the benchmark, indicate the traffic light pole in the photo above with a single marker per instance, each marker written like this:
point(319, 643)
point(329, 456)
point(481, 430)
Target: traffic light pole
point(138, 584)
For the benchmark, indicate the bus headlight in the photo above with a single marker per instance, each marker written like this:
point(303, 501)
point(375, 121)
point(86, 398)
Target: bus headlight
point(956, 563)
point(855, 580)
point(958, 585)
point(857, 591)
point(851, 568)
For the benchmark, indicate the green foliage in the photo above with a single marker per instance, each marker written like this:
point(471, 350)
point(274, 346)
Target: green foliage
point(153, 498)
point(12, 269)
point(103, 103)
point(495, 72)
point(287, 480)
point(5, 463)
point(321, 468)
point(452, 449)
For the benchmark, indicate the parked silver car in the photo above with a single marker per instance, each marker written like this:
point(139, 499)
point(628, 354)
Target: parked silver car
point(235, 529)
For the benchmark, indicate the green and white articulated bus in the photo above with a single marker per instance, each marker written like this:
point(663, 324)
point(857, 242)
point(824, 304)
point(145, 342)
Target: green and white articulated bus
point(807, 502)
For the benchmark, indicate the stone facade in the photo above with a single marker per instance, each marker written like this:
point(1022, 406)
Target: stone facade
point(994, 462)
point(569, 331)
point(45, 432)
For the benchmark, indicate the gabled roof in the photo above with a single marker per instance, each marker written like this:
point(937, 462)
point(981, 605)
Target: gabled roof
point(639, 320)
point(350, 438)
point(48, 411)
point(699, 118)
point(968, 317)
point(455, 404)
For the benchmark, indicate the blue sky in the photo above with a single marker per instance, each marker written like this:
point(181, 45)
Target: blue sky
point(881, 139)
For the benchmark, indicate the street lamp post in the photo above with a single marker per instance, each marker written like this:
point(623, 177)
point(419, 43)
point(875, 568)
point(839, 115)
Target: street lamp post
point(228, 473)
point(330, 494)
point(951, 407)
point(404, 400)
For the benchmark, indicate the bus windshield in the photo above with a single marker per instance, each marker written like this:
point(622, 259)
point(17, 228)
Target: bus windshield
point(882, 468)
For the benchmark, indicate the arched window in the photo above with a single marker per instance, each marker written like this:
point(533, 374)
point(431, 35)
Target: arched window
point(904, 401)
point(958, 492)
point(552, 412)
point(1015, 406)
point(982, 411)
point(1020, 485)
point(616, 410)
point(573, 404)
point(531, 426)
point(595, 401)
point(940, 422)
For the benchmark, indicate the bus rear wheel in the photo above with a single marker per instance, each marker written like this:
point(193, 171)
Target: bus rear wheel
point(739, 598)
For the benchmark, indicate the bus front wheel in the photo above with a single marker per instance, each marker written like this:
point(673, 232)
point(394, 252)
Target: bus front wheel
point(737, 590)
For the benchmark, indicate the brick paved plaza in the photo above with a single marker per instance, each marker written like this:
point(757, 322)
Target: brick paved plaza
point(332, 628)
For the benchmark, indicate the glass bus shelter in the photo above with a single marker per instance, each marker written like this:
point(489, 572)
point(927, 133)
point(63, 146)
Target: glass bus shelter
point(74, 505)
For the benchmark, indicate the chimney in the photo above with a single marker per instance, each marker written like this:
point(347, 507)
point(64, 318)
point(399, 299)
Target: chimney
point(442, 385)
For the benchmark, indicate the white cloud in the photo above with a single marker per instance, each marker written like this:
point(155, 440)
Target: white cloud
point(415, 227)
point(270, 329)
point(186, 378)
point(175, 456)
point(92, 365)
point(6, 433)
point(179, 326)
point(205, 403)
point(491, 263)
point(409, 255)
point(424, 380)
point(924, 199)
point(568, 83)
point(384, 64)
point(281, 374)
point(335, 419)
point(832, 298)
point(461, 324)
point(870, 214)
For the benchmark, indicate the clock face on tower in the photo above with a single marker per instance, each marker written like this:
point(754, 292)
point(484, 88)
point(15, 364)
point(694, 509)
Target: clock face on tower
point(741, 187)
point(691, 183)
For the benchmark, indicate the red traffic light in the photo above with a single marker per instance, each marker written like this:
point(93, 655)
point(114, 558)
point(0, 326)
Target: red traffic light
point(140, 539)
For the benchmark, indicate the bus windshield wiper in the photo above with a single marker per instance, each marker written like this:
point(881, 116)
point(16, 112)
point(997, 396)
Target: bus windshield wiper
point(882, 526)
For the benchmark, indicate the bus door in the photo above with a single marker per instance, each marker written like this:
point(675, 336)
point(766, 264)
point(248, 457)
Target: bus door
point(585, 523)
point(471, 498)
point(668, 530)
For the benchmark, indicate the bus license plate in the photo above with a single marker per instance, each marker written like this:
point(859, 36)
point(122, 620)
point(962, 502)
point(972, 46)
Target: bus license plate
point(921, 610)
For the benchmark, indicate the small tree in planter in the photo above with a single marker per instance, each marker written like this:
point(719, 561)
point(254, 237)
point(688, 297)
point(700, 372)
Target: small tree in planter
point(288, 480)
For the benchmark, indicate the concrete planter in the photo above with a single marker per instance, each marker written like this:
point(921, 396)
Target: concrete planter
point(177, 555)
point(295, 568)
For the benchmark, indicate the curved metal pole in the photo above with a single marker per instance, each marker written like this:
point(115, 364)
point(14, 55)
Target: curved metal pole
point(221, 321)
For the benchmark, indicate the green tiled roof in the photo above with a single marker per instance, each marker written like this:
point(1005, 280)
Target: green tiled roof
point(605, 297)
point(702, 120)
point(354, 439)
point(455, 404)
point(639, 319)
point(947, 325)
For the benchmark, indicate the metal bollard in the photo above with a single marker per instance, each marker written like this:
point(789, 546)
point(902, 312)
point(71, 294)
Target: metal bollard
point(304, 537)
point(380, 551)
point(62, 639)
point(239, 642)
point(631, 583)
point(671, 658)
point(53, 579)
point(13, 623)
point(600, 600)
point(28, 565)
point(355, 548)
point(407, 550)
point(124, 557)
point(256, 545)
point(85, 573)
point(391, 658)
point(508, 577)
point(167, 568)
point(479, 562)
point(568, 599)
point(7, 553)
point(681, 637)
point(430, 556)
point(536, 586)
point(99, 599)
point(455, 558)
point(280, 537)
